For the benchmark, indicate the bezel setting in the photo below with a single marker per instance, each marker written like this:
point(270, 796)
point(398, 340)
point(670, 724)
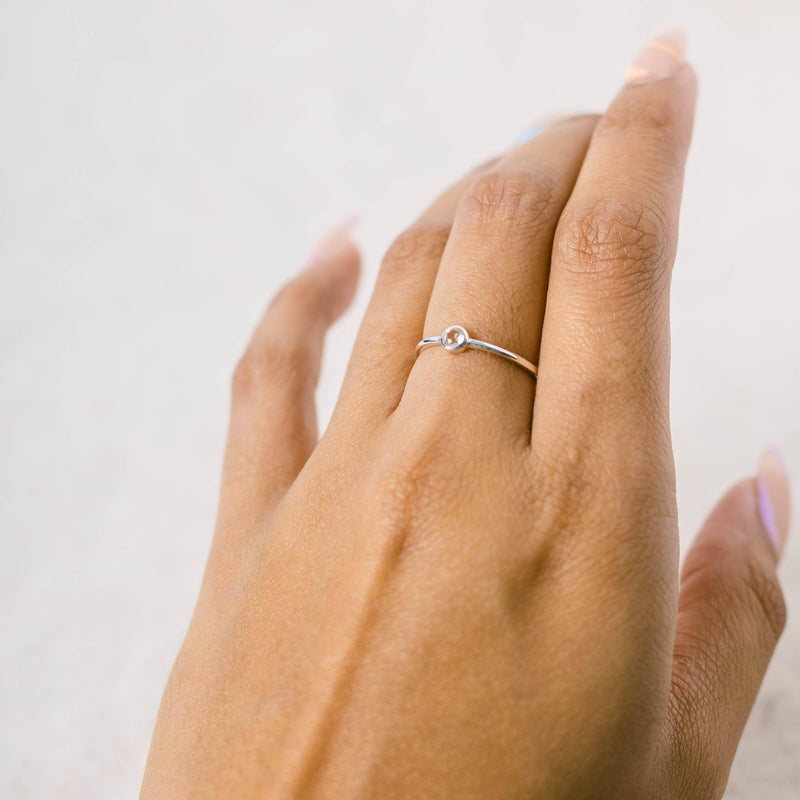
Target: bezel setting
point(454, 338)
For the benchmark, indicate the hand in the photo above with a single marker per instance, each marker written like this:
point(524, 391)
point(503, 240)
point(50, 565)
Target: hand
point(459, 592)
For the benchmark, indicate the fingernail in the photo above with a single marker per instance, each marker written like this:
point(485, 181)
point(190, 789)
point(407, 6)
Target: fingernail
point(772, 486)
point(659, 59)
point(333, 244)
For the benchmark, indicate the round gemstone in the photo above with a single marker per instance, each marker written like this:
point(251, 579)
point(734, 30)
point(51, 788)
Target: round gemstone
point(455, 338)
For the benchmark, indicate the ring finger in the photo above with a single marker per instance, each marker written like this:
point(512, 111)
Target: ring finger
point(493, 275)
point(384, 350)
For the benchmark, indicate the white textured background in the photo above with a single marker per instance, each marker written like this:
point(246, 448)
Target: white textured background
point(165, 165)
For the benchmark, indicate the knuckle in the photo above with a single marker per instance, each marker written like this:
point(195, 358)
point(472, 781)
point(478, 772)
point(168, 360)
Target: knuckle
point(409, 491)
point(766, 596)
point(422, 485)
point(656, 120)
point(616, 238)
point(420, 242)
point(422, 459)
point(245, 377)
point(648, 112)
point(732, 561)
point(500, 196)
point(620, 487)
point(427, 463)
point(287, 363)
point(301, 296)
point(563, 485)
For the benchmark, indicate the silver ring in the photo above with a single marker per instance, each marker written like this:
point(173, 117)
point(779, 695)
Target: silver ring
point(455, 338)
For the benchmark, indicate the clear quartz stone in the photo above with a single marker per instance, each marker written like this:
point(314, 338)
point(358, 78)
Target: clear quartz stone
point(454, 338)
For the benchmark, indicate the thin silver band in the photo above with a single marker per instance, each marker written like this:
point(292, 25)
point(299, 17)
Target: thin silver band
point(455, 338)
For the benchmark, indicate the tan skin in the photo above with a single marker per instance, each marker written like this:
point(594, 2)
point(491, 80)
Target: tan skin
point(456, 593)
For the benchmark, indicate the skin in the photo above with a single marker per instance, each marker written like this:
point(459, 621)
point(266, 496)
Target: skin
point(469, 587)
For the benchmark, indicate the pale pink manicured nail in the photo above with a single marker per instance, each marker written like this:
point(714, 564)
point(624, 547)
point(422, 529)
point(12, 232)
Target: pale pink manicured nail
point(333, 243)
point(772, 486)
point(659, 59)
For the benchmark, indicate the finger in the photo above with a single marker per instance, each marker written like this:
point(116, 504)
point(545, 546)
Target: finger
point(604, 362)
point(384, 349)
point(493, 275)
point(730, 615)
point(273, 424)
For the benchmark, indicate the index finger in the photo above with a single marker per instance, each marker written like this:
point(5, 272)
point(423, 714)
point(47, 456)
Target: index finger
point(604, 359)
